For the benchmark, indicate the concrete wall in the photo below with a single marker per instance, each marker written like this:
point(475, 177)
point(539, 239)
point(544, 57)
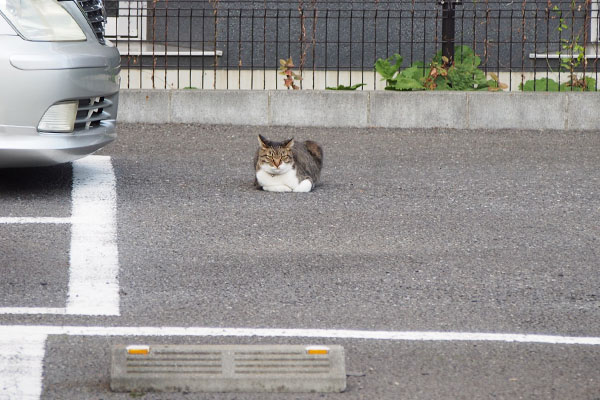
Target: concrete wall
point(461, 110)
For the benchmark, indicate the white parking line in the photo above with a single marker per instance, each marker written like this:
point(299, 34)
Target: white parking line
point(93, 284)
point(21, 358)
point(93, 259)
point(306, 333)
point(22, 347)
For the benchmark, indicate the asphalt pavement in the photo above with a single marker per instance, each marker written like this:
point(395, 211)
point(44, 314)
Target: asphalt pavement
point(409, 231)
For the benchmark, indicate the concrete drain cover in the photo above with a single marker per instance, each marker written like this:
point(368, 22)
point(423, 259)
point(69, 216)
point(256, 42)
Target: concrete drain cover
point(228, 368)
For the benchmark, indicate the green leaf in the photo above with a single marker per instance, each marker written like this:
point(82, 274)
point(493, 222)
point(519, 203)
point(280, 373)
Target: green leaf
point(404, 83)
point(389, 67)
point(342, 87)
point(540, 85)
point(415, 71)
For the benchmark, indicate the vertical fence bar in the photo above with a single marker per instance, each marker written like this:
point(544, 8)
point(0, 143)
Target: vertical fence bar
point(412, 29)
point(153, 44)
point(485, 41)
point(178, 44)
point(128, 43)
point(535, 51)
point(498, 25)
point(289, 34)
point(424, 37)
point(436, 24)
point(276, 45)
point(227, 50)
point(350, 48)
point(252, 49)
point(511, 49)
point(523, 38)
point(474, 43)
point(166, 40)
point(375, 26)
point(216, 37)
point(326, 42)
point(202, 35)
point(240, 62)
point(399, 35)
point(338, 48)
point(314, 42)
point(572, 48)
point(191, 41)
point(140, 55)
point(264, 66)
point(190, 51)
point(362, 51)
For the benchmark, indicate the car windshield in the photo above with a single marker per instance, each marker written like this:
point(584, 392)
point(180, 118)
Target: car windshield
point(44, 20)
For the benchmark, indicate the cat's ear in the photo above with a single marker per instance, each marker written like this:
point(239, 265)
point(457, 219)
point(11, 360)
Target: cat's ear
point(288, 144)
point(264, 143)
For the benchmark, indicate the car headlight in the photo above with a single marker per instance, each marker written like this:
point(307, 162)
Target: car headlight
point(41, 20)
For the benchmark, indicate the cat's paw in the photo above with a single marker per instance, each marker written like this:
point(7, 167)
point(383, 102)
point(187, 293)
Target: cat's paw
point(304, 186)
point(277, 188)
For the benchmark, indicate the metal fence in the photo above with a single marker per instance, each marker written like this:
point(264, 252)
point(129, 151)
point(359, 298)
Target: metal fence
point(222, 44)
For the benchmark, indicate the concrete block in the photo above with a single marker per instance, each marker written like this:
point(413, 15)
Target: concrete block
point(228, 368)
point(234, 107)
point(583, 110)
point(541, 110)
point(428, 109)
point(139, 105)
point(319, 108)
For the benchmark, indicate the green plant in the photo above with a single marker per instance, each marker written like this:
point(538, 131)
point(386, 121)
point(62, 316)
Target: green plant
point(408, 79)
point(285, 68)
point(542, 84)
point(575, 57)
point(571, 47)
point(440, 74)
point(342, 87)
point(550, 85)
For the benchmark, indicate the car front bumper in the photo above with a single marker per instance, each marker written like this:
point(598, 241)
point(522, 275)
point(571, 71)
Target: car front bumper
point(25, 147)
point(37, 75)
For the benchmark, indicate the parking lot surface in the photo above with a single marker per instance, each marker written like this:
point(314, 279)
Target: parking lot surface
point(410, 231)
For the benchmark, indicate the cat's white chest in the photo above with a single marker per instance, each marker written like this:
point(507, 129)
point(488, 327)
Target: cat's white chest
point(277, 182)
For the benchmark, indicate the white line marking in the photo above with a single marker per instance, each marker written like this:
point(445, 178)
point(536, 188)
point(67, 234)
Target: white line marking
point(32, 310)
point(308, 333)
point(93, 283)
point(21, 358)
point(34, 220)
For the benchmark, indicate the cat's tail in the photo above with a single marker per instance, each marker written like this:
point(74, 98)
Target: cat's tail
point(315, 150)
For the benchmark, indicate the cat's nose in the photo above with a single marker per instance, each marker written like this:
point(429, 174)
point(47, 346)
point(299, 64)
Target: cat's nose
point(277, 163)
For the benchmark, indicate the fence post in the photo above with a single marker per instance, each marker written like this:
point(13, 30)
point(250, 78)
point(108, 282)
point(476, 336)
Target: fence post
point(448, 27)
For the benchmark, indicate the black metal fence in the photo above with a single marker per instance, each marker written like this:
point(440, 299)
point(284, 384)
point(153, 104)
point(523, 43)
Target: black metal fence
point(222, 44)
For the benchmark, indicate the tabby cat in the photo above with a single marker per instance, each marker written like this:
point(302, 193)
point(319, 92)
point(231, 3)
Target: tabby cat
point(287, 166)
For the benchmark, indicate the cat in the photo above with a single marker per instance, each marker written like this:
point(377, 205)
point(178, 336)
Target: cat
point(287, 166)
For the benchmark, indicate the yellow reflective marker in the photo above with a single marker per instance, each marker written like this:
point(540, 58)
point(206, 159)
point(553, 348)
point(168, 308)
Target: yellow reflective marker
point(317, 350)
point(136, 349)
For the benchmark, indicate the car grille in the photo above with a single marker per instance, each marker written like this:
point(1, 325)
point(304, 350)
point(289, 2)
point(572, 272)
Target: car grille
point(94, 12)
point(91, 112)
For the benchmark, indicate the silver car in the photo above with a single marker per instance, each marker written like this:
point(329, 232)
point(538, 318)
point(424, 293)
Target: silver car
point(59, 81)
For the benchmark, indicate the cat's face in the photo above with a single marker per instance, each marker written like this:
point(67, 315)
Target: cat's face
point(275, 157)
